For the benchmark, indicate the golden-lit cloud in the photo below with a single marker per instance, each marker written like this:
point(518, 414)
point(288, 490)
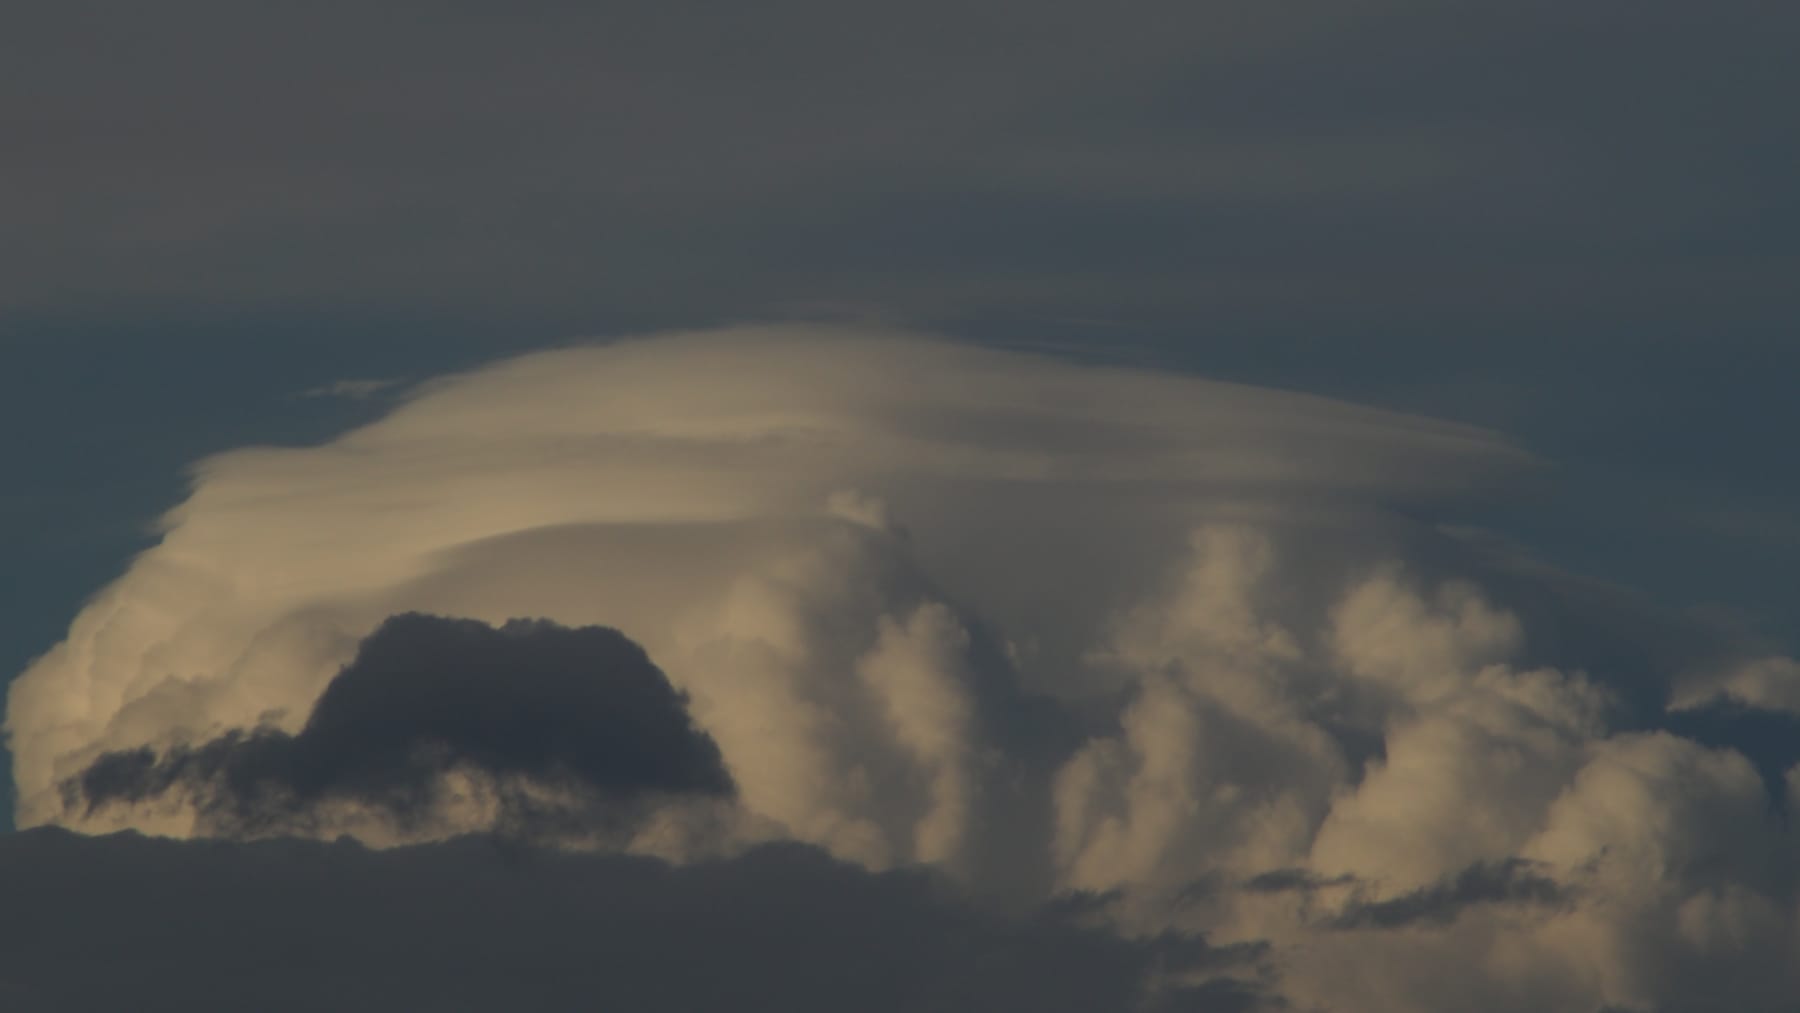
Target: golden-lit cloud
point(1193, 651)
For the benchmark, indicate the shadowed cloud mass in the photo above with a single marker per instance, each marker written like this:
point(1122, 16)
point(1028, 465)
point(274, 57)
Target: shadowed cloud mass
point(576, 712)
point(477, 924)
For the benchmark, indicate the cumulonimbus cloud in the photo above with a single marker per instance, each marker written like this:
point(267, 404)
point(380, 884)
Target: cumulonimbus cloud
point(1180, 648)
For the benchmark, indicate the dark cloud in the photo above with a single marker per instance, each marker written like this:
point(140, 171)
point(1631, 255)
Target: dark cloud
point(576, 709)
point(127, 922)
point(1514, 881)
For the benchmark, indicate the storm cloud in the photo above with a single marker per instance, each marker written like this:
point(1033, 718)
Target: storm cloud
point(1181, 660)
point(577, 712)
point(868, 669)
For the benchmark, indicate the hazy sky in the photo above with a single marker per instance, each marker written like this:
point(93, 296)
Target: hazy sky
point(1235, 433)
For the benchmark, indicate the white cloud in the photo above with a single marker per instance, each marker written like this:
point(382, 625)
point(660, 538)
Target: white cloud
point(1046, 627)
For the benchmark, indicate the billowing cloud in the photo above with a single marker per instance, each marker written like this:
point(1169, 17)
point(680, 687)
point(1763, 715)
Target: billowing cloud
point(1190, 660)
point(762, 510)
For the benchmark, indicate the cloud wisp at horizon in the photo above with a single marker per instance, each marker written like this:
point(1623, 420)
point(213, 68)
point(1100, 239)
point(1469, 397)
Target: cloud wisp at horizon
point(540, 724)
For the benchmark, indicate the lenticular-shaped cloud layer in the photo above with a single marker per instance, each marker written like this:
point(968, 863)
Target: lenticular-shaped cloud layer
point(740, 495)
point(1180, 648)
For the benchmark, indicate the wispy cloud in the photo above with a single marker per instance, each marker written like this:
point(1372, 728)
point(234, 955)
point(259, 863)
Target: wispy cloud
point(352, 390)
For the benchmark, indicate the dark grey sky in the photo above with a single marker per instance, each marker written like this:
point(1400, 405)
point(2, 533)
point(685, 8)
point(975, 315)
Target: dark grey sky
point(1574, 222)
point(1368, 166)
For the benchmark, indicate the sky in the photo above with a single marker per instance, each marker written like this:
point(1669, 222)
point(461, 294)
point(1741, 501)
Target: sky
point(1203, 506)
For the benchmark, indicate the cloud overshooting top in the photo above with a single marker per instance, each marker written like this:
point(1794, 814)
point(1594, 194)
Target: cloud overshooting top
point(1168, 660)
